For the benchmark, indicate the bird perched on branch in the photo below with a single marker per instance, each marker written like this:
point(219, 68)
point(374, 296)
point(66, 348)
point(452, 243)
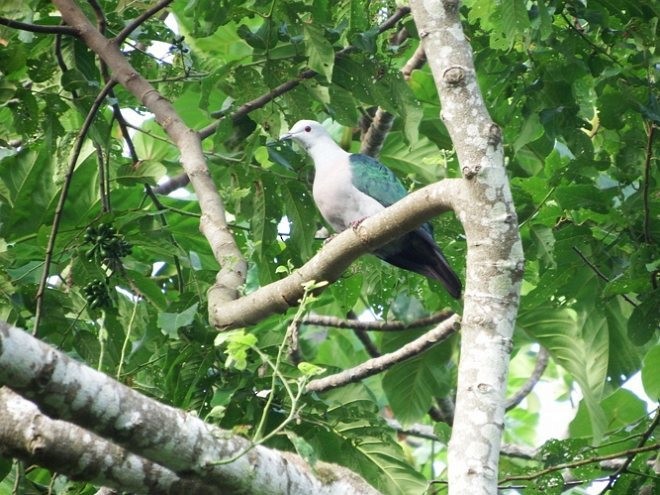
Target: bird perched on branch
point(349, 187)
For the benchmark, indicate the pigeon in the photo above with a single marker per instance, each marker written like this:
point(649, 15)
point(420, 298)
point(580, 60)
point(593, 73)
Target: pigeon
point(349, 187)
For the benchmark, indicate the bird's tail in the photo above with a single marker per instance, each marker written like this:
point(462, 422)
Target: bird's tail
point(439, 269)
point(418, 252)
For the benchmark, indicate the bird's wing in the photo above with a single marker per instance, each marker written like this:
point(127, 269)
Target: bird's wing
point(376, 180)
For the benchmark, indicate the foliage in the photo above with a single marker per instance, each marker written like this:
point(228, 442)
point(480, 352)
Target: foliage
point(572, 84)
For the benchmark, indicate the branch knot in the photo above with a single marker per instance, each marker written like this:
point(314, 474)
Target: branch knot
point(454, 76)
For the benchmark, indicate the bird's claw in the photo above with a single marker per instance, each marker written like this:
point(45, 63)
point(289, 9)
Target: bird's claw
point(329, 238)
point(356, 223)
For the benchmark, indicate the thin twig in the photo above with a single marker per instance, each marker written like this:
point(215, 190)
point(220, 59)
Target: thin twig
point(599, 49)
point(376, 365)
point(378, 326)
point(647, 183)
point(600, 274)
point(38, 28)
point(629, 458)
point(581, 462)
point(541, 364)
point(144, 16)
point(89, 119)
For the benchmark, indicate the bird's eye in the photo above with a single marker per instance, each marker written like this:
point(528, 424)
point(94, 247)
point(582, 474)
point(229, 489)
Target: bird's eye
point(308, 128)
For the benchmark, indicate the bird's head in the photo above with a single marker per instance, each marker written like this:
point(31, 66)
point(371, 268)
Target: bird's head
point(306, 133)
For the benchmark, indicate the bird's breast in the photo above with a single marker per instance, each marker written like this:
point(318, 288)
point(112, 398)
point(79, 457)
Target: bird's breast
point(340, 203)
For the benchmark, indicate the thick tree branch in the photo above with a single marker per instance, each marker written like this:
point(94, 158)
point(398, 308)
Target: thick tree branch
point(29, 435)
point(213, 223)
point(376, 365)
point(181, 442)
point(335, 256)
point(494, 257)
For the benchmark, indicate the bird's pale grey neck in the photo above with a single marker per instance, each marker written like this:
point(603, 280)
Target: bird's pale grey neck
point(324, 150)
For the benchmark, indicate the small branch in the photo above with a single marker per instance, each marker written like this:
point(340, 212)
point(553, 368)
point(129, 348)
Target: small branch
point(580, 462)
point(368, 344)
point(144, 16)
point(600, 274)
point(373, 139)
point(376, 365)
point(581, 34)
point(378, 326)
point(630, 457)
point(38, 28)
point(415, 62)
point(541, 364)
point(91, 115)
point(647, 183)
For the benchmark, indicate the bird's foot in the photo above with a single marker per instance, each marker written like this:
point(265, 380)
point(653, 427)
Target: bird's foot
point(329, 238)
point(356, 223)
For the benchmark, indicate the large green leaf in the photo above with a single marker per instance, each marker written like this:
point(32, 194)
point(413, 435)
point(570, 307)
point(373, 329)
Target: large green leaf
point(579, 342)
point(321, 55)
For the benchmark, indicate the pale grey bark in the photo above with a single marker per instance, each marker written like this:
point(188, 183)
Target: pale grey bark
point(374, 366)
point(494, 258)
point(28, 434)
point(335, 256)
point(181, 442)
point(213, 223)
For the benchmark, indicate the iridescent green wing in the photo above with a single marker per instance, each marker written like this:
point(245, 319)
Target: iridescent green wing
point(376, 180)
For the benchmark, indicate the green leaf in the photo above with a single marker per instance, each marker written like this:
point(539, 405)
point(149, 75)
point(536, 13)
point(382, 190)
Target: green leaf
point(645, 319)
point(303, 448)
point(579, 343)
point(321, 55)
point(302, 215)
point(144, 172)
point(170, 323)
point(650, 375)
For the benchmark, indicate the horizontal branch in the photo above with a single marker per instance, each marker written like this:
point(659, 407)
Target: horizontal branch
point(376, 365)
point(378, 325)
point(28, 434)
point(38, 28)
point(179, 441)
point(335, 256)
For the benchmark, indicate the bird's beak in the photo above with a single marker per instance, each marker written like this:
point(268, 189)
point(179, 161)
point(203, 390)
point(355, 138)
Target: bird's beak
point(285, 137)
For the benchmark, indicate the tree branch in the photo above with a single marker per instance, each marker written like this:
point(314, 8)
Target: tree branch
point(600, 274)
point(80, 139)
point(261, 101)
point(335, 256)
point(213, 223)
point(376, 365)
point(539, 369)
point(38, 28)
point(178, 441)
point(494, 257)
point(27, 434)
point(143, 17)
point(379, 325)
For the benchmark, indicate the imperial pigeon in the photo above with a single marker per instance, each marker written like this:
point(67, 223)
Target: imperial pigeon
point(349, 187)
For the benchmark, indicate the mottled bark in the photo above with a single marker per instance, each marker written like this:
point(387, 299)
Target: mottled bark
point(494, 258)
